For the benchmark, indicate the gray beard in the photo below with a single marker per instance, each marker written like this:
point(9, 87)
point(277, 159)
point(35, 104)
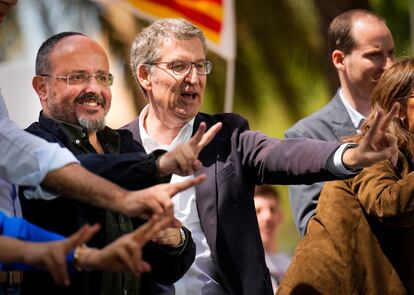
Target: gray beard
point(92, 126)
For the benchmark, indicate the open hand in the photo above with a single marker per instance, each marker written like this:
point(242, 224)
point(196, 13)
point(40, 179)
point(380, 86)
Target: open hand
point(376, 145)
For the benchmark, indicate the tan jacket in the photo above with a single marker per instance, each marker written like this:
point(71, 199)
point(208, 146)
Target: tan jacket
point(361, 240)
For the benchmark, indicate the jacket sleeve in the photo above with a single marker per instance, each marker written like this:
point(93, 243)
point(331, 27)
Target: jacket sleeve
point(132, 171)
point(289, 161)
point(387, 194)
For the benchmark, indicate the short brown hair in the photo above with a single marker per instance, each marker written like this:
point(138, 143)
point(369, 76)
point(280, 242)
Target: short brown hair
point(340, 29)
point(266, 191)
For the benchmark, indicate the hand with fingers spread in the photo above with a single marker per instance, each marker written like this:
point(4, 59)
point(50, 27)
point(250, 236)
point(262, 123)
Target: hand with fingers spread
point(52, 255)
point(125, 253)
point(183, 159)
point(376, 145)
point(157, 200)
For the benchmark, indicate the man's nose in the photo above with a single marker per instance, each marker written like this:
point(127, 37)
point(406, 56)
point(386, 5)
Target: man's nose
point(389, 61)
point(92, 85)
point(192, 76)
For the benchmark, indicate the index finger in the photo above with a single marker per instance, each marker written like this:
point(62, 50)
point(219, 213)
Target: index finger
point(386, 121)
point(199, 134)
point(81, 236)
point(150, 229)
point(209, 135)
point(174, 188)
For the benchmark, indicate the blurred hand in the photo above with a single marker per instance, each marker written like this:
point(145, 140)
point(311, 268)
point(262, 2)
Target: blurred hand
point(52, 255)
point(377, 144)
point(125, 253)
point(183, 159)
point(157, 200)
point(170, 237)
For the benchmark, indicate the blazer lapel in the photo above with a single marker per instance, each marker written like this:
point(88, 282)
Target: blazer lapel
point(206, 192)
point(341, 122)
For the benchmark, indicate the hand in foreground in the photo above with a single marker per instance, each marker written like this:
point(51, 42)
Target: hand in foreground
point(125, 253)
point(376, 145)
point(183, 159)
point(52, 255)
point(157, 200)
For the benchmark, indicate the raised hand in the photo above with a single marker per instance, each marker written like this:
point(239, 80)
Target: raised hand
point(52, 255)
point(376, 145)
point(183, 159)
point(157, 200)
point(125, 253)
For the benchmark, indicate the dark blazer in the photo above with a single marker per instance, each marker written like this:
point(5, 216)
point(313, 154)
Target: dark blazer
point(235, 161)
point(331, 123)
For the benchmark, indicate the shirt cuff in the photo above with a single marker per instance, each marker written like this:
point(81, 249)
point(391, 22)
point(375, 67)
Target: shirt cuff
point(339, 167)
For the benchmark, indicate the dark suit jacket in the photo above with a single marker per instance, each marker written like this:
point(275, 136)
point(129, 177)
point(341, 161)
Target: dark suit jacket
point(332, 122)
point(235, 161)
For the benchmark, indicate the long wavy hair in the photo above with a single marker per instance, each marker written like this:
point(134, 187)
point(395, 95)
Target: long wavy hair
point(395, 85)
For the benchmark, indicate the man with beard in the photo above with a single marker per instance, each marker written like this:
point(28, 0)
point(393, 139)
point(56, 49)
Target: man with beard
point(361, 48)
point(73, 83)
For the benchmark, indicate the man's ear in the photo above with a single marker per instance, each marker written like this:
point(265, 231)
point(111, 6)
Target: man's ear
point(143, 77)
point(338, 60)
point(39, 85)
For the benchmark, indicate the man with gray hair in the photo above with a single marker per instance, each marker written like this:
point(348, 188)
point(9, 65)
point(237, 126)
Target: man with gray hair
point(168, 60)
point(73, 84)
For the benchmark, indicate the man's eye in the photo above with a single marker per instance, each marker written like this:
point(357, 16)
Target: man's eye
point(77, 77)
point(200, 65)
point(102, 78)
point(179, 67)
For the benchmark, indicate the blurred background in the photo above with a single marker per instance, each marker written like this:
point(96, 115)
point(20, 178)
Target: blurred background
point(282, 69)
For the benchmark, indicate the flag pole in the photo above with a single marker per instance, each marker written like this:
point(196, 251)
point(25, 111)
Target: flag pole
point(229, 91)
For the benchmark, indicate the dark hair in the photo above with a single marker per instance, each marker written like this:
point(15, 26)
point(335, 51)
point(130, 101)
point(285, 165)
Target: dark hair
point(42, 58)
point(340, 29)
point(266, 191)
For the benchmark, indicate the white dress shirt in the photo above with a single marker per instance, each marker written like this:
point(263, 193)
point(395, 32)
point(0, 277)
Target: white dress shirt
point(201, 278)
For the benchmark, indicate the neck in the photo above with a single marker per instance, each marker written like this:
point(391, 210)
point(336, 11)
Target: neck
point(270, 246)
point(160, 131)
point(358, 101)
point(93, 139)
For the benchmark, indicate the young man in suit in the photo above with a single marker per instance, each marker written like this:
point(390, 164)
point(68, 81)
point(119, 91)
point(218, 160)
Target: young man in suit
point(361, 48)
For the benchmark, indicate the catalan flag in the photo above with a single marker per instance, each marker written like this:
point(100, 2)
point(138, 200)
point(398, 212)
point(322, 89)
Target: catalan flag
point(214, 17)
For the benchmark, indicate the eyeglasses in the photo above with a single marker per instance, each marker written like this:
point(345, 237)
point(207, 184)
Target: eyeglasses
point(83, 78)
point(183, 68)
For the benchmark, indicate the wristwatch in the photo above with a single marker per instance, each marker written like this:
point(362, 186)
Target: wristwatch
point(183, 238)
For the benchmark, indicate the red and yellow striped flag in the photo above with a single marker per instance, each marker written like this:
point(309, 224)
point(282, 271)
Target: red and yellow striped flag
point(214, 17)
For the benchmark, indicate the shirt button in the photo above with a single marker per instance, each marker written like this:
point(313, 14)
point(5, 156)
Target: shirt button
point(77, 141)
point(83, 134)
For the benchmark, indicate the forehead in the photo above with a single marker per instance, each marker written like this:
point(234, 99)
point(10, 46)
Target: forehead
point(175, 49)
point(78, 53)
point(265, 201)
point(371, 32)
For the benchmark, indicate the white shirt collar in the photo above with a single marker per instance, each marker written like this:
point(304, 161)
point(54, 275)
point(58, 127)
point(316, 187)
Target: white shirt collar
point(356, 117)
point(151, 145)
